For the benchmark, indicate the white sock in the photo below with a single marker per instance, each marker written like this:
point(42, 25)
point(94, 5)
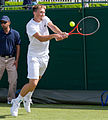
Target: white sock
point(29, 95)
point(19, 98)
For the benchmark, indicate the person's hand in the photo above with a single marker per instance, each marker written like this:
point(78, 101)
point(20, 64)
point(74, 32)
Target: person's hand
point(58, 37)
point(16, 63)
point(64, 36)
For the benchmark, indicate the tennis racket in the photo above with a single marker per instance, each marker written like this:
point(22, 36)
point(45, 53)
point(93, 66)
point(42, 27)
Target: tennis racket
point(86, 26)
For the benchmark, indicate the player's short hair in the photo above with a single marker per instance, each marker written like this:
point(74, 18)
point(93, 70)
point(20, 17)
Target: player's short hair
point(35, 7)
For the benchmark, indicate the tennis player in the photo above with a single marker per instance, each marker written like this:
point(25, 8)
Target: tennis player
point(37, 58)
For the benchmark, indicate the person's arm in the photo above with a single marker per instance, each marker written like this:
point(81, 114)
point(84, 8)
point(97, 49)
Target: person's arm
point(17, 55)
point(43, 38)
point(58, 36)
point(55, 29)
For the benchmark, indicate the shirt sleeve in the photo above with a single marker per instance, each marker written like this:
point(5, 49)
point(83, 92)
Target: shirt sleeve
point(47, 20)
point(31, 29)
point(18, 39)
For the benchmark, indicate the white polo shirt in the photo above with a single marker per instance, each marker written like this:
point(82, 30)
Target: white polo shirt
point(37, 48)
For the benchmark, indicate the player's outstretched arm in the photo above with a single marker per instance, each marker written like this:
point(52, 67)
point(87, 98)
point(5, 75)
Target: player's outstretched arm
point(43, 38)
point(55, 29)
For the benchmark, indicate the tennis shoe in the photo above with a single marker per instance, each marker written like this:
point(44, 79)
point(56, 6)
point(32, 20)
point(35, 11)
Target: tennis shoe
point(15, 107)
point(27, 103)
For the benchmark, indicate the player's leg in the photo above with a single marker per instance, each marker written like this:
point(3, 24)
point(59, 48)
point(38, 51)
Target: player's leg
point(12, 79)
point(27, 98)
point(33, 72)
point(42, 67)
point(27, 101)
point(29, 87)
point(29, 94)
point(33, 75)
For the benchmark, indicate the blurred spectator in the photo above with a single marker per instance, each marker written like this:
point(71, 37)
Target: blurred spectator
point(34, 2)
point(2, 2)
point(27, 2)
point(86, 4)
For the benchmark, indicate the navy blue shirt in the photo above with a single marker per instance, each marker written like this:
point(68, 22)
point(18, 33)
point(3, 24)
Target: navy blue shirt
point(27, 2)
point(8, 42)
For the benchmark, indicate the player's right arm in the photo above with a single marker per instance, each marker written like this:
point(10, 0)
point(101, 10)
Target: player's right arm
point(43, 38)
point(33, 31)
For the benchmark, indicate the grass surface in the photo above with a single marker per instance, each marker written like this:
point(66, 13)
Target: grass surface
point(56, 112)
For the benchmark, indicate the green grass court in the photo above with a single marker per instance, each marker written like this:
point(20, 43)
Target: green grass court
point(56, 112)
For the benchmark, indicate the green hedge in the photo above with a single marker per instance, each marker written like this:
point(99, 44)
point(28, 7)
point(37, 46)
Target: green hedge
point(13, 3)
point(51, 5)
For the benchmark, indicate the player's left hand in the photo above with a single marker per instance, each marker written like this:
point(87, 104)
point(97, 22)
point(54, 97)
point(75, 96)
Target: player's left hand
point(64, 36)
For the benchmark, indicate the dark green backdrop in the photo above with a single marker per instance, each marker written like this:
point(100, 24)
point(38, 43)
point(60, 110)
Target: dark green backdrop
point(66, 66)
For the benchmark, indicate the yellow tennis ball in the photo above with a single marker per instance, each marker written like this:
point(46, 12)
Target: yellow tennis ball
point(72, 24)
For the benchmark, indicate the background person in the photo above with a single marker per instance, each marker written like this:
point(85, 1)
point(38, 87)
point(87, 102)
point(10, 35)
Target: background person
point(34, 2)
point(2, 2)
point(9, 54)
point(27, 2)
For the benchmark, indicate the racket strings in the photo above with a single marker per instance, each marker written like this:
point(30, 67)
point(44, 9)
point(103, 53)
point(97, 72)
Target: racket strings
point(88, 26)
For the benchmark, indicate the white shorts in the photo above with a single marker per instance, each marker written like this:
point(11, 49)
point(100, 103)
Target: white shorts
point(36, 66)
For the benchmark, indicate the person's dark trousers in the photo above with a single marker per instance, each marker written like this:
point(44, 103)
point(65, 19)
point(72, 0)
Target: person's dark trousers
point(2, 2)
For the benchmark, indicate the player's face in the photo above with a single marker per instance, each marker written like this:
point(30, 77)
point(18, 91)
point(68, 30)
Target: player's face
point(39, 14)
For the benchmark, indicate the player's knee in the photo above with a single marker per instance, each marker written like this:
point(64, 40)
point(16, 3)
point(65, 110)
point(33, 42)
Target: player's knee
point(33, 84)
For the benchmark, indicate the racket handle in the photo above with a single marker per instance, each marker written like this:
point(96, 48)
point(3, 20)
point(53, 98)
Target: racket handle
point(69, 33)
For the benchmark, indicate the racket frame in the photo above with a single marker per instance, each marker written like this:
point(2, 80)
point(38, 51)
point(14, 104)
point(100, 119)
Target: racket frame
point(78, 32)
